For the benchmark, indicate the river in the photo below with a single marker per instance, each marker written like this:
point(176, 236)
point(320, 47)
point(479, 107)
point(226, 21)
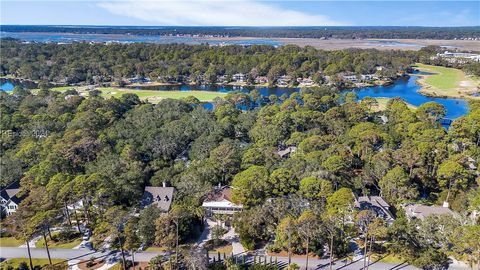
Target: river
point(405, 88)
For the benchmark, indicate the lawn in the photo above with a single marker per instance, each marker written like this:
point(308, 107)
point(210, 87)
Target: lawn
point(151, 95)
point(156, 249)
point(447, 82)
point(16, 262)
point(52, 244)
point(10, 242)
point(155, 95)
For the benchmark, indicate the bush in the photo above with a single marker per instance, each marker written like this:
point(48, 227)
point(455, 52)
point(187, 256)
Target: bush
point(214, 243)
point(66, 235)
point(247, 242)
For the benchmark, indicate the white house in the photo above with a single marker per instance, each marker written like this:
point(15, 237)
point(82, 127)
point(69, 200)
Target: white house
point(350, 77)
point(220, 202)
point(239, 77)
point(9, 201)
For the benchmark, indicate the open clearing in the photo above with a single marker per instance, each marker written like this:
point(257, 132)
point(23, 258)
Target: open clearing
point(153, 96)
point(447, 82)
point(10, 242)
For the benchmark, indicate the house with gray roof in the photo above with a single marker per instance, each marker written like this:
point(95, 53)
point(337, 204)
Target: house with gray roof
point(161, 197)
point(10, 199)
point(377, 205)
point(421, 211)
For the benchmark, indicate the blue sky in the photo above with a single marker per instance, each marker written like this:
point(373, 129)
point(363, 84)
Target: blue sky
point(241, 12)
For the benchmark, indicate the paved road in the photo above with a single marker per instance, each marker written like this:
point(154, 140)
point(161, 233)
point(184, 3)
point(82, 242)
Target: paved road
point(67, 254)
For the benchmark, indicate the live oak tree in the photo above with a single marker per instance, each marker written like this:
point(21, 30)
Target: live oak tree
point(452, 176)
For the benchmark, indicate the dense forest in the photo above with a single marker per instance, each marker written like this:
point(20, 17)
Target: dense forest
point(343, 32)
point(94, 63)
point(64, 147)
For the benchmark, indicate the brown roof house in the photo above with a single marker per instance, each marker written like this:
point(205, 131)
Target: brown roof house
point(220, 202)
point(161, 197)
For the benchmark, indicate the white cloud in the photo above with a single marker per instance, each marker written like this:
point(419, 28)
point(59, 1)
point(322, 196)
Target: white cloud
point(215, 13)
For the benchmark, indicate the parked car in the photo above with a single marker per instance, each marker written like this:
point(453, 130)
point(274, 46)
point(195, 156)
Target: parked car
point(87, 245)
point(86, 235)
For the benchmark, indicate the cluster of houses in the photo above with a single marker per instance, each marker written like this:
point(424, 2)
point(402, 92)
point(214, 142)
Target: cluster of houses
point(284, 80)
point(219, 202)
point(457, 57)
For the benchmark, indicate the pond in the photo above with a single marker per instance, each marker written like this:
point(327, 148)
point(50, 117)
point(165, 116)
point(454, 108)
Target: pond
point(405, 88)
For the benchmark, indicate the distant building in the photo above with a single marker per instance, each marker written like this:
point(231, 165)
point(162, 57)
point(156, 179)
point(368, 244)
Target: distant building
point(220, 202)
point(285, 153)
point(368, 77)
point(350, 77)
point(9, 201)
point(284, 80)
point(421, 211)
point(161, 197)
point(376, 204)
point(305, 81)
point(261, 79)
point(239, 77)
point(458, 57)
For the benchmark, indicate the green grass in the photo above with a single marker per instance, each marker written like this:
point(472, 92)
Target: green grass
point(52, 244)
point(227, 249)
point(389, 258)
point(444, 78)
point(448, 82)
point(10, 242)
point(149, 94)
point(16, 262)
point(152, 95)
point(156, 249)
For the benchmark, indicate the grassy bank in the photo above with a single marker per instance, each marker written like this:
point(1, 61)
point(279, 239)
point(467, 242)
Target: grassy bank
point(17, 261)
point(447, 82)
point(153, 96)
point(58, 244)
point(10, 242)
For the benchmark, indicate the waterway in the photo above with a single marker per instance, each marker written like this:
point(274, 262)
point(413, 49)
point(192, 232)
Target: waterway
point(405, 88)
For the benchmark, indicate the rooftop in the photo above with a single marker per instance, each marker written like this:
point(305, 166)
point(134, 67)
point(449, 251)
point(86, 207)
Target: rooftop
point(162, 197)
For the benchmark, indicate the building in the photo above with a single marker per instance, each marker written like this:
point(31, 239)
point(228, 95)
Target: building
point(285, 153)
point(421, 211)
point(9, 201)
point(261, 79)
point(377, 205)
point(161, 197)
point(368, 77)
point(220, 202)
point(458, 57)
point(350, 77)
point(239, 77)
point(284, 80)
point(305, 81)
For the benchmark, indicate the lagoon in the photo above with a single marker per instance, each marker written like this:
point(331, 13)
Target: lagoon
point(405, 88)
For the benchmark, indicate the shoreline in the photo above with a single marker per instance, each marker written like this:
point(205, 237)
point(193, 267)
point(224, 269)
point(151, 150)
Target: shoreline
point(465, 91)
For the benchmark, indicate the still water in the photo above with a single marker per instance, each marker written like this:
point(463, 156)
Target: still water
point(405, 88)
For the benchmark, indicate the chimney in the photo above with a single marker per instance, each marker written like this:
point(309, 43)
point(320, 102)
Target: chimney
point(164, 184)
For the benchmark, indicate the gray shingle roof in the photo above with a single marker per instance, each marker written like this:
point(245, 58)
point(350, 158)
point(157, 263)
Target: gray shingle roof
point(422, 211)
point(162, 197)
